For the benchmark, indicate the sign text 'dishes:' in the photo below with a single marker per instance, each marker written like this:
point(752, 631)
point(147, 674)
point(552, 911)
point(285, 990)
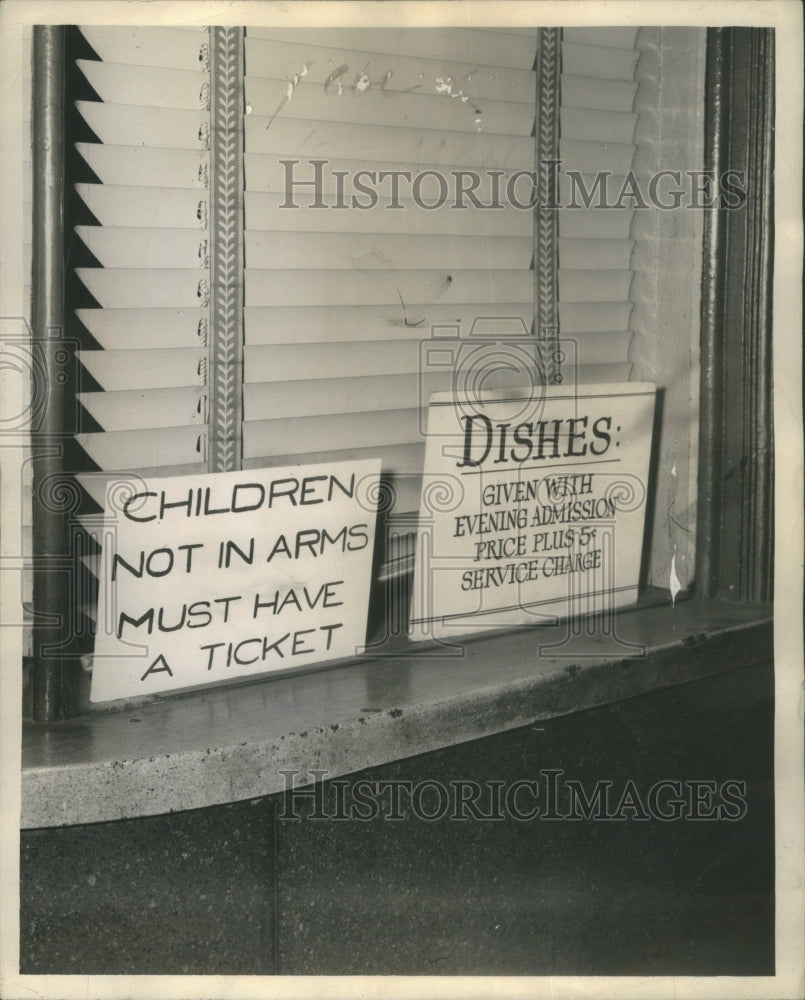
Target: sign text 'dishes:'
point(532, 508)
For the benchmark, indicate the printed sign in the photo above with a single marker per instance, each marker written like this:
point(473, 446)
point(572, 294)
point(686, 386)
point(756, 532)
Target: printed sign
point(216, 577)
point(532, 507)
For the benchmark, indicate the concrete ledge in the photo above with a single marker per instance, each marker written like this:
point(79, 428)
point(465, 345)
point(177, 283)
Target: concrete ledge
point(229, 744)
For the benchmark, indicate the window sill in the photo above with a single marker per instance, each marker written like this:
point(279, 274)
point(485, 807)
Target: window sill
point(229, 744)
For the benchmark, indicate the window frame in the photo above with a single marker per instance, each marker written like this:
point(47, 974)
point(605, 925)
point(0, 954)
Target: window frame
point(739, 95)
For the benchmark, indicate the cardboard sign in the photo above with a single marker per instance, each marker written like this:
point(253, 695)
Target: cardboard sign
point(215, 577)
point(532, 507)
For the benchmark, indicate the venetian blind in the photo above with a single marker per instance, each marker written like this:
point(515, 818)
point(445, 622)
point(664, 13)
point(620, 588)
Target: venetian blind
point(597, 128)
point(339, 303)
point(151, 287)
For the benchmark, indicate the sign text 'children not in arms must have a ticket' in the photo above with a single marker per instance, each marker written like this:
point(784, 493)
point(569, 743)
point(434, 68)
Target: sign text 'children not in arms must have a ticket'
point(215, 577)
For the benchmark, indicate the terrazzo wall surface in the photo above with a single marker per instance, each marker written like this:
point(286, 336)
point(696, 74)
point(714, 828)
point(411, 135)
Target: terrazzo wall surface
point(247, 889)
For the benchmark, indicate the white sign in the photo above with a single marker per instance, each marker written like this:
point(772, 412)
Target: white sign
point(532, 508)
point(216, 577)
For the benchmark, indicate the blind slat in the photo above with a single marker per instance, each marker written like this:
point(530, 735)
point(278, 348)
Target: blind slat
point(144, 287)
point(312, 324)
point(267, 438)
point(587, 317)
point(277, 362)
point(131, 125)
point(600, 348)
point(288, 362)
point(595, 157)
point(153, 207)
point(155, 87)
point(335, 180)
point(264, 212)
point(604, 192)
point(594, 286)
point(397, 461)
point(171, 48)
point(601, 61)
point(284, 60)
point(146, 329)
point(602, 374)
point(143, 166)
point(145, 248)
point(466, 45)
point(130, 449)
point(148, 408)
point(576, 254)
point(597, 125)
point(381, 250)
point(132, 369)
point(273, 400)
point(310, 139)
point(292, 287)
point(380, 107)
point(590, 92)
point(591, 223)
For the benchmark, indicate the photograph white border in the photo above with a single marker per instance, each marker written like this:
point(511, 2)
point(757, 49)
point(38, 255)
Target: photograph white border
point(783, 15)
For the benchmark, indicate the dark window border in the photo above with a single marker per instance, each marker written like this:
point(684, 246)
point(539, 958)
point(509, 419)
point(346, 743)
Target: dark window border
point(735, 523)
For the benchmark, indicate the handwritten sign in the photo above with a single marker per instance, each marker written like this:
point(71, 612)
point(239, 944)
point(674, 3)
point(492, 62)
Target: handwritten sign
point(216, 577)
point(532, 508)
